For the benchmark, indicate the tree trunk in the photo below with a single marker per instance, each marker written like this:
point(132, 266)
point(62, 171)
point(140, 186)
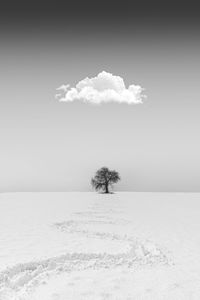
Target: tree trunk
point(106, 188)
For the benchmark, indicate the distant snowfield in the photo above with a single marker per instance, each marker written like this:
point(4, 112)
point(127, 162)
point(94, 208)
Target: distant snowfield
point(63, 246)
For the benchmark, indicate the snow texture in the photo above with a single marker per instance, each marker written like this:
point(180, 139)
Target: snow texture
point(108, 253)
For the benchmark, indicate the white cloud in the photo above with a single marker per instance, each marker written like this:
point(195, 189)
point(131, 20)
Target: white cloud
point(58, 96)
point(63, 87)
point(103, 88)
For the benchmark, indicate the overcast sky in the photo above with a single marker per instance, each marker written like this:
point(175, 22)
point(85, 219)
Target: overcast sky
point(47, 145)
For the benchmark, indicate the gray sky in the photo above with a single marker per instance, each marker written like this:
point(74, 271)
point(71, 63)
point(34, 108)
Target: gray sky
point(52, 146)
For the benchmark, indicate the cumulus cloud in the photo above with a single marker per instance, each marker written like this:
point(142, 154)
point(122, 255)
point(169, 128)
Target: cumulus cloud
point(63, 87)
point(103, 88)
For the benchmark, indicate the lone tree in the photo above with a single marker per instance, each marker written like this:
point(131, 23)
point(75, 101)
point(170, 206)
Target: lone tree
point(104, 178)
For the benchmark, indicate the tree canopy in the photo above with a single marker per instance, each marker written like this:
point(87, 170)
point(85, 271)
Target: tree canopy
point(104, 178)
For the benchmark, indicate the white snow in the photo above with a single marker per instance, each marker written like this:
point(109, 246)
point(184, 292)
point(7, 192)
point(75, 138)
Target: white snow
point(58, 246)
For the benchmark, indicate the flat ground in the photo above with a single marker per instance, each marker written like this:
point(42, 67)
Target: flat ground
point(64, 246)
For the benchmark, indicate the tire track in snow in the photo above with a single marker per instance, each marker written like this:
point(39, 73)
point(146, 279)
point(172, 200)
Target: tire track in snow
point(21, 279)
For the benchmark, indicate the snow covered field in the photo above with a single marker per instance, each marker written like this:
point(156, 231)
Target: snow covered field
point(64, 246)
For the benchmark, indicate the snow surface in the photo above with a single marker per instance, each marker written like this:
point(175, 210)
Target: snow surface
point(62, 246)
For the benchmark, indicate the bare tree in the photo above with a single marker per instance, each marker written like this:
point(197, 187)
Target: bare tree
point(104, 178)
